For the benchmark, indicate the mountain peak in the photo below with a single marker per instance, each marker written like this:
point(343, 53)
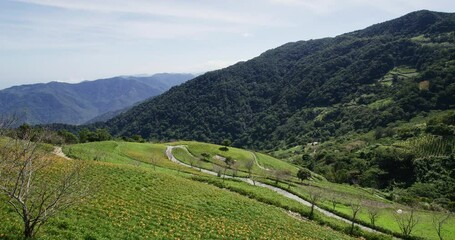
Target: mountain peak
point(412, 24)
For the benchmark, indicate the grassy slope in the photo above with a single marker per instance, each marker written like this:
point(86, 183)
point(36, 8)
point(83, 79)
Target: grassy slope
point(426, 146)
point(137, 202)
point(239, 155)
point(343, 194)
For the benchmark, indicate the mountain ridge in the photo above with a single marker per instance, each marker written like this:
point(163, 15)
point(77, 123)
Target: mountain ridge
point(76, 103)
point(267, 101)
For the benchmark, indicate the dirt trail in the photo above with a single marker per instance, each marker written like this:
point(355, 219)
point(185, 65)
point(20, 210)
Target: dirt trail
point(273, 188)
point(59, 152)
point(257, 163)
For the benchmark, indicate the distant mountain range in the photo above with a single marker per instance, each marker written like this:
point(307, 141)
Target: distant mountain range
point(57, 102)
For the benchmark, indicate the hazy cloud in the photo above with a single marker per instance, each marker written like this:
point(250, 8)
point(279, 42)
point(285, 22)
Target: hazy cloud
point(177, 9)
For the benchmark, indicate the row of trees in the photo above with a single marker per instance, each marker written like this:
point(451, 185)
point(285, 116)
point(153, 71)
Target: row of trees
point(63, 136)
point(407, 220)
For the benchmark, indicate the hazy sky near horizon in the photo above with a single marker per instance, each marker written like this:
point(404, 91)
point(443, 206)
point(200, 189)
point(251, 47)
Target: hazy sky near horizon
point(75, 40)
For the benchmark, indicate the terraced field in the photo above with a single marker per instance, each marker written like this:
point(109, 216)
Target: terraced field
point(344, 195)
point(134, 201)
point(137, 200)
point(263, 163)
point(429, 146)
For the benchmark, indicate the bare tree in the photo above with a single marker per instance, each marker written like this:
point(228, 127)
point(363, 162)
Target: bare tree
point(32, 184)
point(217, 169)
point(281, 175)
point(373, 210)
point(249, 166)
point(355, 206)
point(406, 220)
point(438, 222)
point(193, 161)
point(154, 160)
point(235, 168)
point(334, 200)
point(373, 214)
point(315, 197)
point(136, 163)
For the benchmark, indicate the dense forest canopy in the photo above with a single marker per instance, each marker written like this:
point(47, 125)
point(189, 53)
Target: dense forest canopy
point(311, 90)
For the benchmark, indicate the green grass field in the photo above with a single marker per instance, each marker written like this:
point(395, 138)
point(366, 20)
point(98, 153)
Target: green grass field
point(133, 201)
point(399, 73)
point(241, 157)
point(345, 194)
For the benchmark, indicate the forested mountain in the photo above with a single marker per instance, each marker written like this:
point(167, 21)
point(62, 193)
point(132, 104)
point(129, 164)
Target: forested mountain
point(311, 90)
point(58, 102)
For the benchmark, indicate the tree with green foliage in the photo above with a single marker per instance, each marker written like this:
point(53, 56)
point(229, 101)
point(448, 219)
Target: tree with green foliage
point(84, 135)
point(303, 174)
point(102, 134)
point(226, 143)
point(138, 138)
point(229, 161)
point(440, 129)
point(24, 130)
point(68, 137)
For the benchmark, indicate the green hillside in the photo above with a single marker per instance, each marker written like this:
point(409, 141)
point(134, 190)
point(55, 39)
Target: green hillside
point(135, 201)
point(58, 102)
point(313, 90)
point(354, 96)
point(339, 195)
point(141, 193)
point(139, 154)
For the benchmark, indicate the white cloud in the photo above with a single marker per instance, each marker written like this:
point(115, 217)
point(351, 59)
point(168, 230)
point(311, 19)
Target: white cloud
point(315, 6)
point(179, 9)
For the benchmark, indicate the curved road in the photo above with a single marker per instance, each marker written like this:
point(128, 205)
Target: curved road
point(273, 188)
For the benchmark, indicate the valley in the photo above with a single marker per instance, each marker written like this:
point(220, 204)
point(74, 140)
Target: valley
point(343, 137)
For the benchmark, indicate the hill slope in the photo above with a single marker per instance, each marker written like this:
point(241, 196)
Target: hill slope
point(135, 201)
point(77, 103)
point(311, 90)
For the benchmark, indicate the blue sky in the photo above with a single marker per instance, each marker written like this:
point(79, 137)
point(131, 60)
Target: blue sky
point(75, 40)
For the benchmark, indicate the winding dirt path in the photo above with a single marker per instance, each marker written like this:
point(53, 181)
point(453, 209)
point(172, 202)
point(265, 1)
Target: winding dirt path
point(257, 162)
point(59, 152)
point(273, 188)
